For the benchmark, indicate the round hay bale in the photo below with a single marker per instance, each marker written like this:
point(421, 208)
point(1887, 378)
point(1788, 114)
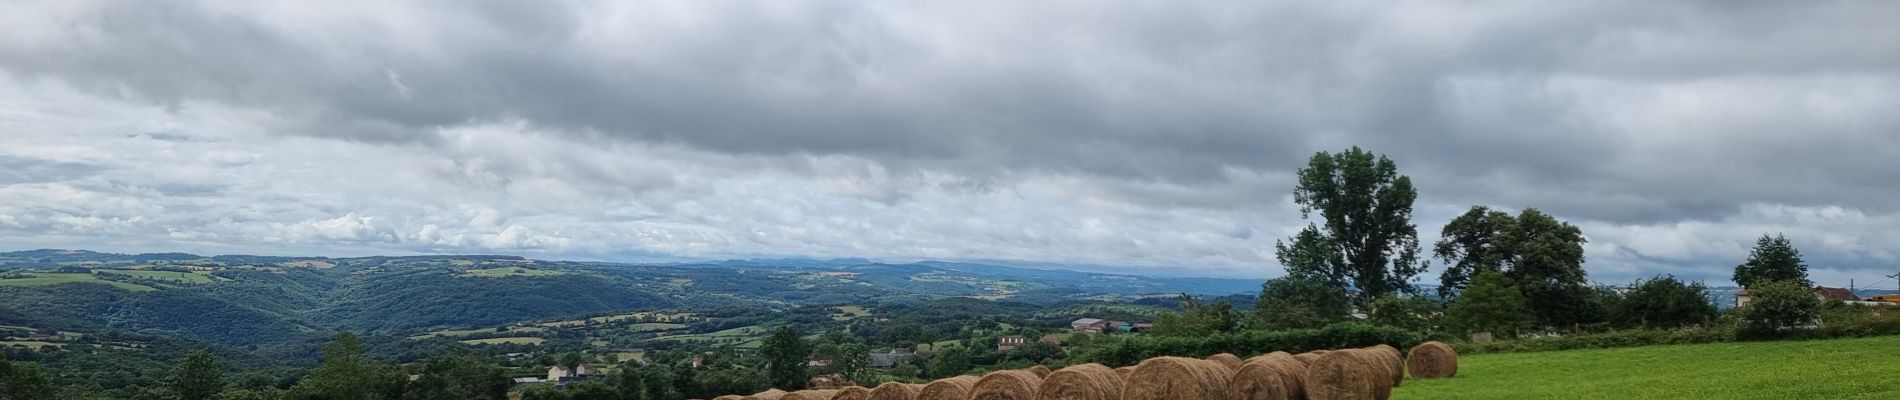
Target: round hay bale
point(953, 388)
point(769, 394)
point(1040, 371)
point(813, 394)
point(1347, 375)
point(1389, 358)
point(728, 397)
point(1124, 371)
point(896, 391)
point(1306, 358)
point(853, 393)
point(1432, 360)
point(1274, 376)
point(1176, 378)
point(1006, 385)
point(1232, 362)
point(1082, 382)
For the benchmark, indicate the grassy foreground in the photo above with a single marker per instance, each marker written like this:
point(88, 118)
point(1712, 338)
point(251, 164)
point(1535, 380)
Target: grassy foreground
point(1822, 369)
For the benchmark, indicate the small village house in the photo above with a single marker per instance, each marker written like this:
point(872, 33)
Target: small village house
point(1010, 342)
point(1832, 294)
point(560, 373)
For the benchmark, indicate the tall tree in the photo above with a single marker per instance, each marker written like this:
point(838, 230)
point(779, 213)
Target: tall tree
point(198, 377)
point(1542, 254)
point(1548, 266)
point(785, 353)
point(851, 359)
point(1299, 301)
point(1663, 302)
point(950, 362)
point(1366, 237)
point(1491, 304)
point(1773, 259)
point(459, 378)
point(1473, 242)
point(346, 374)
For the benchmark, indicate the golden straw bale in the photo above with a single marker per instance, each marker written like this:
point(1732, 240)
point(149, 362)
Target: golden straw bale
point(1432, 360)
point(896, 391)
point(1082, 382)
point(1176, 378)
point(1006, 385)
point(953, 388)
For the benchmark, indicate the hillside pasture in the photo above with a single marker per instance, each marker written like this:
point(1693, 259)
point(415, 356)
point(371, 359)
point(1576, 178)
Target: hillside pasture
point(49, 278)
point(506, 272)
point(507, 340)
point(1822, 369)
point(196, 278)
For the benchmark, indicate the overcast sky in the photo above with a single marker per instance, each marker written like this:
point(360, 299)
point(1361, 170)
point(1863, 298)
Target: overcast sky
point(1153, 134)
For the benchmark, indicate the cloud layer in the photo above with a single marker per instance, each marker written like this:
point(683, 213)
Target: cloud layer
point(1126, 133)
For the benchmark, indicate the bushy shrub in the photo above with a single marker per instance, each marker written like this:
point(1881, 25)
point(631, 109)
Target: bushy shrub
point(1779, 309)
point(1606, 340)
point(1343, 335)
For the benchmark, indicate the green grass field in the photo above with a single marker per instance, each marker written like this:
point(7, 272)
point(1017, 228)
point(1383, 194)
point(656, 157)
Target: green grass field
point(43, 279)
point(514, 340)
point(508, 272)
point(186, 277)
point(1824, 369)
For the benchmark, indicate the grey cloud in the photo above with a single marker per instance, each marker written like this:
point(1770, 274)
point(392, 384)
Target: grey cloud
point(588, 126)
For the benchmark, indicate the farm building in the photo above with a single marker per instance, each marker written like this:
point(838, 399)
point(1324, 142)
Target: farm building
point(892, 358)
point(1010, 342)
point(1089, 325)
point(560, 373)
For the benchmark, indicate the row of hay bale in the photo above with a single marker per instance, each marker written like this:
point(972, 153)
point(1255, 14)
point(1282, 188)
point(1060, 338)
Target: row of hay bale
point(1357, 374)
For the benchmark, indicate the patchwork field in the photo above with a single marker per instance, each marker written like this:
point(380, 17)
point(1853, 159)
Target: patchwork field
point(1828, 369)
point(185, 277)
point(514, 340)
point(508, 272)
point(43, 279)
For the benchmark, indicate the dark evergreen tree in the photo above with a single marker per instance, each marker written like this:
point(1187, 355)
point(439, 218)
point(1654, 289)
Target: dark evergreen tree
point(1773, 259)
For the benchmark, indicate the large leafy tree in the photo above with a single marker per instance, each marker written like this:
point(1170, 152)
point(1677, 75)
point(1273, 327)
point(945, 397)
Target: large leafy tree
point(24, 382)
point(1773, 259)
point(346, 374)
point(785, 353)
point(852, 360)
point(1778, 307)
point(1663, 302)
point(1412, 312)
point(950, 362)
point(1299, 301)
point(198, 377)
point(1493, 304)
point(459, 378)
point(1543, 255)
point(1366, 237)
point(1475, 241)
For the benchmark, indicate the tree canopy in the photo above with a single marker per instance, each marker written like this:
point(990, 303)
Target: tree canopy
point(1542, 254)
point(1491, 304)
point(1773, 259)
point(1300, 301)
point(785, 353)
point(1365, 236)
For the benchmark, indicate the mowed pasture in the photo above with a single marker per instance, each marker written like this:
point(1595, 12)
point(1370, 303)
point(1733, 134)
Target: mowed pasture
point(1822, 369)
point(43, 279)
point(179, 276)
